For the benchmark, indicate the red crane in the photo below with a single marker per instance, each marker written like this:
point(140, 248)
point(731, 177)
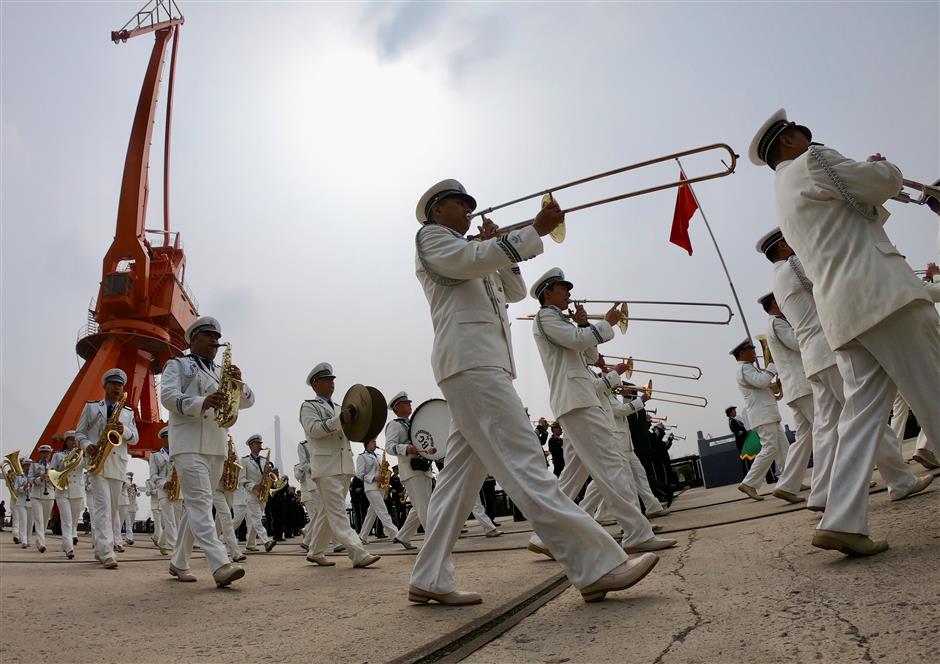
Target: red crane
point(143, 306)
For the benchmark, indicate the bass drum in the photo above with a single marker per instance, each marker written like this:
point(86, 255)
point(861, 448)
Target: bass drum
point(430, 426)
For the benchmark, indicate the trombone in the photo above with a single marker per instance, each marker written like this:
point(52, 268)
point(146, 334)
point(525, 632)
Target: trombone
point(694, 374)
point(927, 191)
point(692, 399)
point(559, 233)
point(626, 319)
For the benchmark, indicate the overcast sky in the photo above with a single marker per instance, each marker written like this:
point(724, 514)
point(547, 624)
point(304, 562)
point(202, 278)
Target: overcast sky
point(305, 132)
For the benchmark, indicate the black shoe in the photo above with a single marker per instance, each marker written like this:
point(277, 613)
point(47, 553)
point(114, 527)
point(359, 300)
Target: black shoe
point(74, 541)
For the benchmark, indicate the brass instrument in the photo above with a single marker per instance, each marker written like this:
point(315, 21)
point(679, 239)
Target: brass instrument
point(270, 484)
point(403, 497)
point(692, 399)
point(559, 234)
point(694, 374)
point(108, 440)
point(384, 476)
point(231, 468)
point(172, 487)
point(231, 391)
point(70, 461)
point(927, 191)
point(626, 319)
point(776, 387)
point(11, 468)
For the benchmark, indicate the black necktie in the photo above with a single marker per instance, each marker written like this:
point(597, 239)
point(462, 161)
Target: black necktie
point(110, 409)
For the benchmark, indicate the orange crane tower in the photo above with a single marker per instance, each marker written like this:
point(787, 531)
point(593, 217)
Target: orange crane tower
point(143, 306)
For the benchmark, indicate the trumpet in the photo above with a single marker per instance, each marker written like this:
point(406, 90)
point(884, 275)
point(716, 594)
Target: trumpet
point(694, 374)
point(626, 319)
point(927, 192)
point(559, 234)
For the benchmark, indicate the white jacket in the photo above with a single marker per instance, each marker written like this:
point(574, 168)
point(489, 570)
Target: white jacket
point(859, 276)
point(467, 285)
point(367, 467)
point(252, 473)
point(160, 470)
point(759, 401)
point(90, 426)
point(786, 351)
point(21, 486)
point(184, 386)
point(561, 344)
point(794, 295)
point(303, 467)
point(40, 486)
point(331, 453)
point(76, 481)
point(397, 440)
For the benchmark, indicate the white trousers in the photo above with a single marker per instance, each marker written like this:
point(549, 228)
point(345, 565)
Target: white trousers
point(23, 520)
point(313, 506)
point(198, 476)
point(157, 515)
point(419, 491)
point(41, 508)
point(773, 446)
point(800, 451)
point(70, 510)
point(591, 502)
point(900, 411)
point(104, 492)
point(491, 432)
point(377, 508)
point(254, 514)
point(642, 484)
point(171, 513)
point(222, 501)
point(333, 520)
point(241, 516)
point(126, 519)
point(828, 398)
point(595, 451)
point(479, 513)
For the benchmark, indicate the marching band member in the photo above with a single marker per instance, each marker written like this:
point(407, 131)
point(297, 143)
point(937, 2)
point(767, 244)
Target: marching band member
point(309, 495)
point(794, 292)
point(41, 494)
point(150, 490)
point(252, 479)
point(573, 395)
point(161, 470)
point(785, 349)
point(223, 502)
point(128, 510)
point(413, 469)
point(831, 210)
point(106, 484)
point(331, 468)
point(479, 513)
point(467, 285)
point(70, 500)
point(189, 390)
point(22, 506)
point(367, 470)
point(762, 414)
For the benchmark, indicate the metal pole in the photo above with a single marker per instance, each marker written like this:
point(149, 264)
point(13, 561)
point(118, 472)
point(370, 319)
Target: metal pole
point(724, 266)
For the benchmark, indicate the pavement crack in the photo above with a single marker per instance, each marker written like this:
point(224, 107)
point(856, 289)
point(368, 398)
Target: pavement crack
point(680, 636)
point(852, 630)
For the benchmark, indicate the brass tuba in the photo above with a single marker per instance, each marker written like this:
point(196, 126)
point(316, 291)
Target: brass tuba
point(231, 469)
point(108, 440)
point(231, 391)
point(11, 468)
point(71, 460)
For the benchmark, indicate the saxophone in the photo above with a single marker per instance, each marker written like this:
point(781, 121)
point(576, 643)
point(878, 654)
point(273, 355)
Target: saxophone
point(231, 469)
point(108, 440)
point(270, 485)
point(231, 391)
point(172, 487)
point(384, 476)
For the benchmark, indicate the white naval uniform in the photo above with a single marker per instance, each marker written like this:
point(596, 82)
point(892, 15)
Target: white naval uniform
point(367, 469)
point(22, 508)
point(198, 447)
point(106, 485)
point(623, 409)
point(150, 490)
point(794, 294)
point(70, 501)
point(42, 495)
point(240, 509)
point(764, 416)
point(223, 501)
point(252, 474)
point(876, 314)
point(467, 285)
point(595, 449)
point(417, 483)
point(161, 470)
point(127, 509)
point(309, 494)
point(331, 467)
point(798, 395)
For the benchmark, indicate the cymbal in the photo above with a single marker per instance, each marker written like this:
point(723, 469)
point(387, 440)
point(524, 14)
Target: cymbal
point(370, 413)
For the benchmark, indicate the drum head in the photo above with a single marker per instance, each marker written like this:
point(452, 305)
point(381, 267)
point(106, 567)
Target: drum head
point(430, 426)
point(370, 408)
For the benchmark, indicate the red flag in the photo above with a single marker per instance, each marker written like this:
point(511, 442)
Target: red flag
point(685, 208)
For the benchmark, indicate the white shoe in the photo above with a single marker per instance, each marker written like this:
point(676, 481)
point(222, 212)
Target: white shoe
point(496, 532)
point(652, 544)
